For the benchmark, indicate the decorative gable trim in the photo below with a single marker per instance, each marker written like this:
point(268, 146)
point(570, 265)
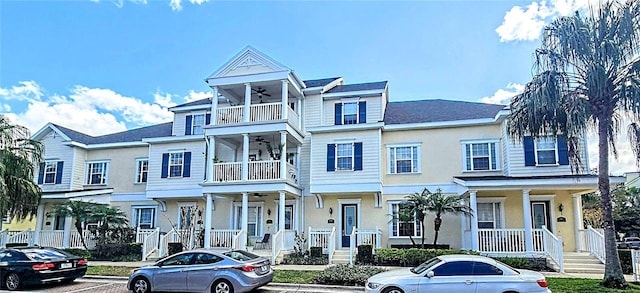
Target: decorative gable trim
point(46, 129)
point(248, 57)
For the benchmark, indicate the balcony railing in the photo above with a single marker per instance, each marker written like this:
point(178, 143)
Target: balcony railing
point(257, 113)
point(258, 171)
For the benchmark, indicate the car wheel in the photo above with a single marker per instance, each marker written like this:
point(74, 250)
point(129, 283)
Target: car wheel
point(12, 281)
point(393, 290)
point(222, 286)
point(141, 285)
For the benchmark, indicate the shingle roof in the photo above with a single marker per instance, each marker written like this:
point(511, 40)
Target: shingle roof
point(319, 82)
point(437, 111)
point(379, 85)
point(206, 101)
point(133, 135)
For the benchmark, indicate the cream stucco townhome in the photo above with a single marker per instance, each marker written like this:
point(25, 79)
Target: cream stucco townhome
point(273, 154)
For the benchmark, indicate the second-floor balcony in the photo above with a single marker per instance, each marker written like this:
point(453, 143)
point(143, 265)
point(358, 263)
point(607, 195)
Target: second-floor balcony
point(257, 171)
point(257, 113)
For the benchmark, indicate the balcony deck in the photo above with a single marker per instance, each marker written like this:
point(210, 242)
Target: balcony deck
point(258, 171)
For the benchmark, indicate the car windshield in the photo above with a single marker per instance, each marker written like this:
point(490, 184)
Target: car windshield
point(43, 254)
point(240, 255)
point(425, 265)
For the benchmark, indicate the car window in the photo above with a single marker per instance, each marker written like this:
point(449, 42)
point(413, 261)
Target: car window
point(425, 265)
point(182, 259)
point(454, 268)
point(13, 256)
point(43, 254)
point(241, 255)
point(485, 269)
point(207, 258)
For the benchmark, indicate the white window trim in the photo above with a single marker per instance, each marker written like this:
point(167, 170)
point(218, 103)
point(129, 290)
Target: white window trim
point(342, 202)
point(357, 102)
point(55, 172)
point(535, 151)
point(181, 165)
point(418, 168)
point(106, 172)
point(287, 202)
point(500, 200)
point(193, 120)
point(390, 231)
point(136, 208)
point(138, 178)
point(353, 156)
point(464, 144)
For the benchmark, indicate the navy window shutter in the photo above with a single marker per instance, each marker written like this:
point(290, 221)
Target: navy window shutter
point(186, 169)
point(187, 125)
point(59, 172)
point(41, 174)
point(338, 112)
point(357, 159)
point(207, 119)
point(362, 108)
point(563, 151)
point(529, 152)
point(165, 165)
point(331, 157)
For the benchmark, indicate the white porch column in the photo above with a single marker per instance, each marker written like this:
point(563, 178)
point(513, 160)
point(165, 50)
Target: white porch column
point(39, 219)
point(246, 110)
point(301, 113)
point(577, 219)
point(297, 161)
point(528, 228)
point(281, 207)
point(245, 157)
point(285, 99)
point(211, 155)
point(214, 106)
point(283, 155)
point(66, 236)
point(207, 224)
point(473, 204)
point(245, 217)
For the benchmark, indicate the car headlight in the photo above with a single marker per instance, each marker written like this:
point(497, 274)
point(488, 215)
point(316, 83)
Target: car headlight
point(373, 285)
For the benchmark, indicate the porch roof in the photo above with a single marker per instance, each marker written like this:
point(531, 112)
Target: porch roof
point(530, 182)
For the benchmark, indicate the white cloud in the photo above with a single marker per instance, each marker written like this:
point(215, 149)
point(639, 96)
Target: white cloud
point(26, 91)
point(503, 96)
point(176, 5)
point(163, 99)
point(526, 24)
point(93, 111)
point(194, 96)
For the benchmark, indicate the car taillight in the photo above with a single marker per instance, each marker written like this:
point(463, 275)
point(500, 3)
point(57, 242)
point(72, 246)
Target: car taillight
point(43, 266)
point(247, 268)
point(542, 283)
point(82, 262)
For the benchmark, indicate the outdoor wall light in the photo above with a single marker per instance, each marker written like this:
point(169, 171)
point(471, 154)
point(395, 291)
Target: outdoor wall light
point(268, 212)
point(561, 208)
point(330, 211)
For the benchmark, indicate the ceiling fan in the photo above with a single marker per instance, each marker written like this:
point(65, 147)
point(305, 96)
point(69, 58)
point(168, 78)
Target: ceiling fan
point(261, 140)
point(258, 194)
point(260, 92)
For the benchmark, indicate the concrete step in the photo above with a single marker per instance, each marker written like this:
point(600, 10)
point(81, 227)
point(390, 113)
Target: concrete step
point(578, 262)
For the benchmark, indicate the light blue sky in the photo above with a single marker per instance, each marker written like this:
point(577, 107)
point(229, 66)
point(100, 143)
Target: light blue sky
point(104, 66)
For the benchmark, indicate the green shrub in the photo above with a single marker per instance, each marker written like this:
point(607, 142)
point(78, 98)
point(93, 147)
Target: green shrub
point(365, 254)
point(78, 252)
point(625, 260)
point(412, 256)
point(527, 263)
point(389, 256)
point(118, 252)
point(315, 251)
point(416, 256)
point(303, 258)
point(346, 275)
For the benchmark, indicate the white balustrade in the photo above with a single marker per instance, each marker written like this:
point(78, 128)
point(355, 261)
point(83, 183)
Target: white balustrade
point(150, 238)
point(553, 247)
point(264, 170)
point(583, 240)
point(229, 115)
point(332, 244)
point(596, 243)
point(501, 240)
point(266, 112)
point(223, 237)
point(239, 241)
point(227, 172)
point(277, 245)
point(293, 117)
point(51, 238)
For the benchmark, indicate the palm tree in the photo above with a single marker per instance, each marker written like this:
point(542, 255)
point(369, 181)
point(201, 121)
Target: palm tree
point(108, 217)
point(442, 204)
point(80, 211)
point(19, 194)
point(587, 74)
point(415, 205)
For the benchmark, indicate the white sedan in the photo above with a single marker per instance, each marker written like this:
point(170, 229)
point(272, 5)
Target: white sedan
point(458, 273)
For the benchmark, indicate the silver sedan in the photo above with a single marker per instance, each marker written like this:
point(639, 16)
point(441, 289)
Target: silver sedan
point(458, 274)
point(203, 271)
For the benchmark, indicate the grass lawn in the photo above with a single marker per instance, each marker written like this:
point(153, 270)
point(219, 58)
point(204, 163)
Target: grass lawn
point(557, 285)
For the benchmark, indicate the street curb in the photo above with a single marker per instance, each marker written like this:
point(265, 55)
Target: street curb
point(314, 287)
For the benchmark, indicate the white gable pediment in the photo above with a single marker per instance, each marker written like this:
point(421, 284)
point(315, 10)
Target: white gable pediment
point(249, 61)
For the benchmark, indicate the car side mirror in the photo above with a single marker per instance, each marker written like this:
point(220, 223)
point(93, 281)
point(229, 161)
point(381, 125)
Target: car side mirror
point(430, 274)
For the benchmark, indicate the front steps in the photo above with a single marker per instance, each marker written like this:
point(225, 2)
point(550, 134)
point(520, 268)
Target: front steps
point(341, 257)
point(582, 262)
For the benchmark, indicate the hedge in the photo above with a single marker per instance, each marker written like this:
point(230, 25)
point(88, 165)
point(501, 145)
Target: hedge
point(411, 256)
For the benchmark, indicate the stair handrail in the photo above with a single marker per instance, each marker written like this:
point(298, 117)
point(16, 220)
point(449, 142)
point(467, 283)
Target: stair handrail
point(352, 244)
point(332, 244)
point(635, 263)
point(276, 245)
point(553, 247)
point(150, 243)
point(596, 244)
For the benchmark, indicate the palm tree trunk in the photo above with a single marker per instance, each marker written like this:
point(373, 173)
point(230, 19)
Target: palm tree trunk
point(613, 276)
point(437, 223)
point(79, 228)
point(422, 226)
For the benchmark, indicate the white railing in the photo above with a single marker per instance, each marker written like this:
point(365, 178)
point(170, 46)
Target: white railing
point(501, 240)
point(292, 173)
point(596, 244)
point(332, 244)
point(163, 250)
point(150, 239)
point(371, 237)
point(293, 116)
point(635, 263)
point(223, 237)
point(553, 247)
point(52, 238)
point(266, 112)
point(583, 240)
point(75, 239)
point(319, 238)
point(289, 239)
point(239, 241)
point(352, 244)
point(229, 115)
point(226, 172)
point(264, 170)
point(20, 237)
point(277, 245)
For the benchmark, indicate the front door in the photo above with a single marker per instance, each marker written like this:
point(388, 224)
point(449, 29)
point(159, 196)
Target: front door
point(349, 221)
point(540, 214)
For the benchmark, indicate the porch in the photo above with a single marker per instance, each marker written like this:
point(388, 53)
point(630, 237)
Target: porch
point(257, 171)
point(256, 113)
point(327, 239)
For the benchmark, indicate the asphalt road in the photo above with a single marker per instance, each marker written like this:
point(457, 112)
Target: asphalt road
point(120, 286)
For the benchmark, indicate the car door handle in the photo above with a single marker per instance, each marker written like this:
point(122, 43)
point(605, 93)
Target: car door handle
point(468, 282)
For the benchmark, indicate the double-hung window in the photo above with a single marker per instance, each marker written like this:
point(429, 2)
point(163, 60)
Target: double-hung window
point(489, 215)
point(142, 170)
point(480, 156)
point(546, 150)
point(176, 164)
point(50, 172)
point(97, 172)
point(350, 111)
point(403, 223)
point(254, 219)
point(144, 217)
point(198, 123)
point(404, 159)
point(194, 124)
point(176, 161)
point(344, 156)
